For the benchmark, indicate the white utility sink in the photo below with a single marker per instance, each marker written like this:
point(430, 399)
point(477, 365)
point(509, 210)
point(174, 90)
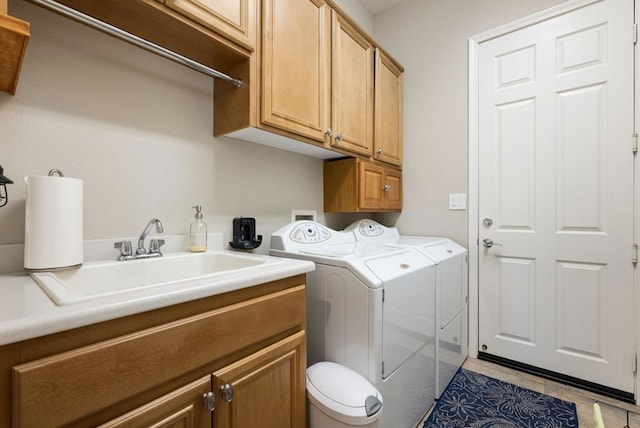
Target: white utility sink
point(106, 278)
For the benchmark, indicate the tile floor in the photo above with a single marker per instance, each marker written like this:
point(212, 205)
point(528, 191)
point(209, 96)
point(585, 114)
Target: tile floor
point(616, 414)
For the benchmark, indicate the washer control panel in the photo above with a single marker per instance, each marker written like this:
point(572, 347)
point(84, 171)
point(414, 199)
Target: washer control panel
point(370, 228)
point(309, 233)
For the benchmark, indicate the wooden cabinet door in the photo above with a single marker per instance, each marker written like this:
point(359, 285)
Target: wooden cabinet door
point(388, 111)
point(232, 18)
point(182, 408)
point(351, 88)
point(392, 194)
point(371, 182)
point(296, 66)
point(266, 389)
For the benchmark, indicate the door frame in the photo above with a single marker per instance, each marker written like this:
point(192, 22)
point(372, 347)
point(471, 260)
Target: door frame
point(473, 218)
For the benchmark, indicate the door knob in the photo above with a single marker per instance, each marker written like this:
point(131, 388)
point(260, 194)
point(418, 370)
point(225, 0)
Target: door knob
point(226, 391)
point(488, 243)
point(209, 401)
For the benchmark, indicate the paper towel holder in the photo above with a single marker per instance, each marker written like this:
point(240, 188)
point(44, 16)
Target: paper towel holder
point(4, 180)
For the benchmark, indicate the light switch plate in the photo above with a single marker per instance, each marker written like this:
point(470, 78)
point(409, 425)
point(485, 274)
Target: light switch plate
point(457, 201)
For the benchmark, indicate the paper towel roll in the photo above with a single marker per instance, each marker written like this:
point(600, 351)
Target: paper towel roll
point(53, 223)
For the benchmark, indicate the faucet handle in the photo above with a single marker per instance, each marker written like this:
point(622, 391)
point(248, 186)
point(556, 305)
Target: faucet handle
point(155, 244)
point(124, 247)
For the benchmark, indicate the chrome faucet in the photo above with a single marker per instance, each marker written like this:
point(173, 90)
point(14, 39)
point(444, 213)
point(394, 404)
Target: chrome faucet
point(145, 232)
point(141, 253)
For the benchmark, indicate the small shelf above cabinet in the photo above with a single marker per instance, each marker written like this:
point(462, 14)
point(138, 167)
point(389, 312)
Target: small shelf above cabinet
point(14, 36)
point(357, 185)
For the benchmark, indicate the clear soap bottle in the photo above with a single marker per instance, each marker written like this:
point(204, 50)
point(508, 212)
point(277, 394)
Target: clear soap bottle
point(198, 233)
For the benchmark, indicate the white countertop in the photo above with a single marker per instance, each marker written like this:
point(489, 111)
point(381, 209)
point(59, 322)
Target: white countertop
point(26, 311)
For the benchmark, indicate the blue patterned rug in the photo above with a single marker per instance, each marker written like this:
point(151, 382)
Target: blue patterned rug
point(473, 400)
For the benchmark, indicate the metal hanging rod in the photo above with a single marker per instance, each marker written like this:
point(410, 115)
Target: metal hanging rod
point(132, 38)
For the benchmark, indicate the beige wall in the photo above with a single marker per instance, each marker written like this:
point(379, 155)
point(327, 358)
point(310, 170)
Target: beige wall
point(429, 37)
point(138, 130)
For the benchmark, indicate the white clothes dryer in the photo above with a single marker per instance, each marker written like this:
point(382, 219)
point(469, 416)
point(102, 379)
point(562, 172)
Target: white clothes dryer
point(451, 291)
point(371, 308)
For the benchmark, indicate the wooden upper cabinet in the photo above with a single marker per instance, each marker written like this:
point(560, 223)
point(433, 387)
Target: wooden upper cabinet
point(296, 50)
point(351, 89)
point(379, 188)
point(388, 111)
point(358, 185)
point(234, 19)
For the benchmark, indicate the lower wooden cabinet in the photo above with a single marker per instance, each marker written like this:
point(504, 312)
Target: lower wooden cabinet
point(181, 408)
point(357, 185)
point(262, 389)
point(155, 368)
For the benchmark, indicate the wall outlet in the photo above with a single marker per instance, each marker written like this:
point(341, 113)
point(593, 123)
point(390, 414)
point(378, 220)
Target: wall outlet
point(457, 201)
point(303, 215)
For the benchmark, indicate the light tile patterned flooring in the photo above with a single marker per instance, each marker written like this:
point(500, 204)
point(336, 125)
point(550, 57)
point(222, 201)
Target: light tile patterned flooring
point(616, 414)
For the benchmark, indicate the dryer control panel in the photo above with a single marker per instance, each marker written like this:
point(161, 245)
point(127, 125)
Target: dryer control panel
point(309, 233)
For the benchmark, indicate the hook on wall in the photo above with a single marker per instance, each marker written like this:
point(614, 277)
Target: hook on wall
point(4, 196)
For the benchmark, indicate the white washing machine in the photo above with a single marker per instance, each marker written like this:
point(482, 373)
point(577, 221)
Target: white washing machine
point(451, 291)
point(371, 308)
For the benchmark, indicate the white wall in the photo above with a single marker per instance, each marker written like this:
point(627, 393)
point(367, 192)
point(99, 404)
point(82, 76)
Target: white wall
point(137, 129)
point(429, 38)
point(359, 14)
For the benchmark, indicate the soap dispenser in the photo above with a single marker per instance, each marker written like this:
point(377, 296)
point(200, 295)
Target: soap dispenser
point(198, 233)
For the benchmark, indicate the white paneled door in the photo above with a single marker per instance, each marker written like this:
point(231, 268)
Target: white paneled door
point(555, 176)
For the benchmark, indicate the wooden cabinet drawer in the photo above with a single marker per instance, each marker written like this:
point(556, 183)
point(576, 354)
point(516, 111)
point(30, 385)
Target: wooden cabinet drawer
point(67, 387)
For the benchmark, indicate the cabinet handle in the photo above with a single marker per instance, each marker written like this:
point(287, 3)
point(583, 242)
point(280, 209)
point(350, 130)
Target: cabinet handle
point(339, 136)
point(386, 187)
point(379, 152)
point(209, 401)
point(226, 391)
point(328, 132)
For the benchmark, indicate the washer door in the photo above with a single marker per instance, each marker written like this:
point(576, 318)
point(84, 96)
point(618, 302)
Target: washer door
point(408, 307)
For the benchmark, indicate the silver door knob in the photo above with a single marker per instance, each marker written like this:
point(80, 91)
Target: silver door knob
point(339, 136)
point(488, 243)
point(209, 401)
point(226, 391)
point(379, 152)
point(328, 132)
point(386, 187)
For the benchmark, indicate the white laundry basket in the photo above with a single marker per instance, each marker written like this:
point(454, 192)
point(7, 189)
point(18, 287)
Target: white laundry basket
point(339, 398)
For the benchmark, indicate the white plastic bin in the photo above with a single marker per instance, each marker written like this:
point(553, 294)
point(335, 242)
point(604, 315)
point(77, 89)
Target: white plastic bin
point(339, 397)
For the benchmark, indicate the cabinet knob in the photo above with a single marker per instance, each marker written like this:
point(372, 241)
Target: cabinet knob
point(386, 187)
point(328, 132)
point(379, 152)
point(226, 391)
point(339, 136)
point(209, 401)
